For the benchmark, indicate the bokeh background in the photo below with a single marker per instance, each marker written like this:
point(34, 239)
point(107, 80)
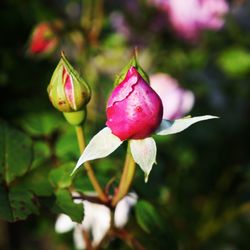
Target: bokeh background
point(200, 187)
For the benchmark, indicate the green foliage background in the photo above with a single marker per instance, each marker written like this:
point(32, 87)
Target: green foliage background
point(198, 196)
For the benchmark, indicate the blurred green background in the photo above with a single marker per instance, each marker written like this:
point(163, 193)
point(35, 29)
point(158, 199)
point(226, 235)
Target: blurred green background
point(200, 187)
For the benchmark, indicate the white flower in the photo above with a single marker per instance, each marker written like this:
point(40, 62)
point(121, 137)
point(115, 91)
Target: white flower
point(123, 208)
point(96, 222)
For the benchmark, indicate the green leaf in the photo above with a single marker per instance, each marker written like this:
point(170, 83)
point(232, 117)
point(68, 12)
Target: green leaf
point(15, 153)
point(43, 123)
point(81, 182)
point(146, 216)
point(65, 204)
point(41, 154)
point(17, 203)
point(60, 177)
point(66, 145)
point(133, 62)
point(37, 181)
point(235, 62)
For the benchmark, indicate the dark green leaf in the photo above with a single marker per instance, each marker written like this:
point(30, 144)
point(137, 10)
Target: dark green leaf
point(17, 203)
point(61, 177)
point(66, 205)
point(15, 153)
point(81, 182)
point(43, 123)
point(67, 146)
point(41, 154)
point(146, 216)
point(37, 181)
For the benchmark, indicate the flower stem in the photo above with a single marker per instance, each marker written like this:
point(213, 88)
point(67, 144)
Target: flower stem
point(127, 177)
point(90, 172)
point(80, 138)
point(87, 240)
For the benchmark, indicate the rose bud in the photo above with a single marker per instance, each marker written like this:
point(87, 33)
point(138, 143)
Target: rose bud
point(67, 91)
point(176, 100)
point(134, 110)
point(44, 38)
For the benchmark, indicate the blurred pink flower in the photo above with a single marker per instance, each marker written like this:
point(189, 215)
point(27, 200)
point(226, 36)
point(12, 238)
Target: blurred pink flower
point(119, 24)
point(188, 18)
point(176, 100)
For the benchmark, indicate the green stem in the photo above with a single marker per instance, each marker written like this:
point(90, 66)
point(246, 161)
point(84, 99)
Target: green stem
point(90, 172)
point(80, 138)
point(126, 179)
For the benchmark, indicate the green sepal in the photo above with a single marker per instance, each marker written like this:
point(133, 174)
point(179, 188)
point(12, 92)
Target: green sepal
point(56, 89)
point(75, 118)
point(76, 77)
point(133, 62)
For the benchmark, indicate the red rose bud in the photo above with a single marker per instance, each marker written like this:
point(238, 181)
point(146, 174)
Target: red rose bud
point(134, 110)
point(67, 91)
point(44, 39)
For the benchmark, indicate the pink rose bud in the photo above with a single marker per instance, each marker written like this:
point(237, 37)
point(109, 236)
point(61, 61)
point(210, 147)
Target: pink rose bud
point(67, 91)
point(190, 17)
point(44, 39)
point(176, 100)
point(134, 110)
